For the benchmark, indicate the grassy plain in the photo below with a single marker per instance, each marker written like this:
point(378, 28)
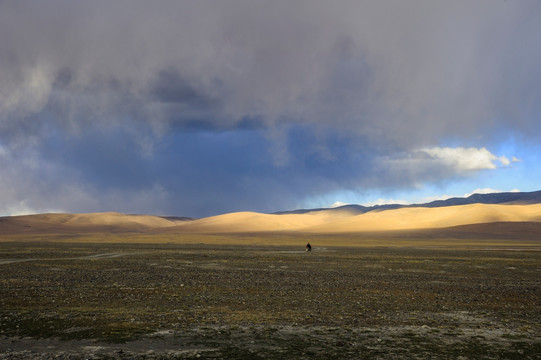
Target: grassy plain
point(237, 297)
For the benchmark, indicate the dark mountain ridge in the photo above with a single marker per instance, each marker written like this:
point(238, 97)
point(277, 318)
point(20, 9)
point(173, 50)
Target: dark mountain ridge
point(515, 198)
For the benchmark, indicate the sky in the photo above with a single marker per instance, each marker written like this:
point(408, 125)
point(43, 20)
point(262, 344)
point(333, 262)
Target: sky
point(198, 108)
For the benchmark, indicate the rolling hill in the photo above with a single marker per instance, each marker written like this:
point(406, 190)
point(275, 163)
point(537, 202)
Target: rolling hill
point(93, 222)
point(519, 211)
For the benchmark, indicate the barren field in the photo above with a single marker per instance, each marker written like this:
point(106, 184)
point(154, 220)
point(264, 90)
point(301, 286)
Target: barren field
point(84, 300)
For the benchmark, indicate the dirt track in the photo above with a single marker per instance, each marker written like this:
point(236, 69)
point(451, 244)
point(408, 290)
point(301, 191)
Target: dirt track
point(203, 301)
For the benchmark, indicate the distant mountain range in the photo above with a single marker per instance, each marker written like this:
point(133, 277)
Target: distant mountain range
point(510, 214)
point(509, 198)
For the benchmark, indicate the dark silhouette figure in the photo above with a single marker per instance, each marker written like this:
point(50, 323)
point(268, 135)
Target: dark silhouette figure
point(308, 247)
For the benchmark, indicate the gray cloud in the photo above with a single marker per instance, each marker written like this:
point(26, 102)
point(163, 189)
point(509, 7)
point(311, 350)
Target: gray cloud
point(374, 68)
point(327, 89)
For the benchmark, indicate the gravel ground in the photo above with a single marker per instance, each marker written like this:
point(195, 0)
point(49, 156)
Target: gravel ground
point(90, 301)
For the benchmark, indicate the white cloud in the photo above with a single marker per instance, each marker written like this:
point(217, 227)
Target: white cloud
point(338, 204)
point(504, 161)
point(466, 159)
point(434, 164)
point(483, 191)
point(489, 191)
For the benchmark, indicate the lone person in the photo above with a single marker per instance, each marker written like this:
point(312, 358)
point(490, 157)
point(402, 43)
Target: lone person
point(308, 247)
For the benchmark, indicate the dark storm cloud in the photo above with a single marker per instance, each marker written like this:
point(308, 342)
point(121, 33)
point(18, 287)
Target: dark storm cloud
point(201, 107)
point(171, 88)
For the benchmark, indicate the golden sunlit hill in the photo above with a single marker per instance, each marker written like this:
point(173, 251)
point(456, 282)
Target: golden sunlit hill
point(242, 222)
point(431, 218)
point(472, 217)
point(331, 222)
point(74, 223)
